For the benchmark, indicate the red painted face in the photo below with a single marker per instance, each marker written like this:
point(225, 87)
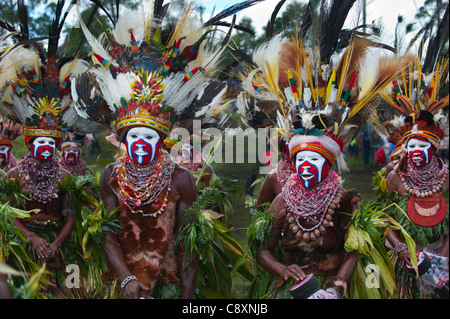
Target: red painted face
point(5, 153)
point(143, 144)
point(311, 168)
point(420, 151)
point(43, 148)
point(71, 156)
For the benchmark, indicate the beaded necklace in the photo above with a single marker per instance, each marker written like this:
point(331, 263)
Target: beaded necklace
point(40, 178)
point(283, 170)
point(140, 185)
point(314, 205)
point(425, 181)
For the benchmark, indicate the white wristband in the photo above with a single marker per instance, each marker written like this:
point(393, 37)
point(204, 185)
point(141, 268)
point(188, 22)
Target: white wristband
point(127, 280)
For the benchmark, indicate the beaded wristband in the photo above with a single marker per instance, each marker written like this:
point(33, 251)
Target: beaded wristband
point(400, 247)
point(127, 280)
point(31, 234)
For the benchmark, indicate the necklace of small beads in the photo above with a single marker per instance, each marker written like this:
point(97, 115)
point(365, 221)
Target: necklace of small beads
point(40, 178)
point(283, 170)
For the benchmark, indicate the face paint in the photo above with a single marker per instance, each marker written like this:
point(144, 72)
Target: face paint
point(420, 151)
point(187, 152)
point(142, 144)
point(5, 152)
point(311, 168)
point(43, 148)
point(71, 155)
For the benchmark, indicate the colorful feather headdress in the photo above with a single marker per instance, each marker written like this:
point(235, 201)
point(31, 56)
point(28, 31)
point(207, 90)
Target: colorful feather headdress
point(35, 85)
point(414, 105)
point(144, 75)
point(314, 97)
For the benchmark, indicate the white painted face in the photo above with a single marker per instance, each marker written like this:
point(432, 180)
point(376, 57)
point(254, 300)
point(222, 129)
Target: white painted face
point(311, 168)
point(4, 154)
point(419, 151)
point(43, 148)
point(143, 144)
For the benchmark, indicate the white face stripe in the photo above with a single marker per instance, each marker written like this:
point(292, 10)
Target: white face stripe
point(4, 150)
point(148, 135)
point(415, 144)
point(315, 160)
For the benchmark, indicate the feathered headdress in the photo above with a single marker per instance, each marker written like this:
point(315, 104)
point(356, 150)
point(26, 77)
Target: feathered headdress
point(316, 99)
point(144, 75)
point(413, 103)
point(35, 85)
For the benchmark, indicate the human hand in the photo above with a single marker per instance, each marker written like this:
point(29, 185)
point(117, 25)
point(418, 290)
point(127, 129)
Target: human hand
point(132, 290)
point(52, 250)
point(294, 272)
point(40, 246)
point(405, 257)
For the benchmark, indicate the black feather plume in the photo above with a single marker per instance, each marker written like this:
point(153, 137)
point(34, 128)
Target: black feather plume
point(230, 11)
point(23, 20)
point(270, 24)
point(332, 27)
point(437, 43)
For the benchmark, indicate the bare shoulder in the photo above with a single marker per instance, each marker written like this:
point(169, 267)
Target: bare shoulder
point(392, 181)
point(107, 172)
point(278, 204)
point(182, 178)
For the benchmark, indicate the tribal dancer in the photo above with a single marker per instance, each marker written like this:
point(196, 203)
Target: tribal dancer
point(71, 151)
point(144, 80)
point(319, 107)
point(9, 131)
point(419, 183)
point(35, 89)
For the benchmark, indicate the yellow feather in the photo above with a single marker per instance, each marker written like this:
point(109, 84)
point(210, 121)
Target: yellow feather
point(178, 29)
point(348, 54)
point(308, 70)
point(330, 82)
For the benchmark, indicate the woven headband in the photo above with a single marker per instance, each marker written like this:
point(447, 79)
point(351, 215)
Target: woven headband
point(315, 148)
point(426, 134)
point(151, 122)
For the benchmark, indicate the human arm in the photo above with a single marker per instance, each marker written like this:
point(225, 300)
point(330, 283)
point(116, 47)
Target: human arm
point(394, 184)
point(265, 256)
point(266, 192)
point(184, 184)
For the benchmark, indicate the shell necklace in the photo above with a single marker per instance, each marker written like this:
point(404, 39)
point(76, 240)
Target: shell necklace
point(425, 181)
point(314, 205)
point(140, 185)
